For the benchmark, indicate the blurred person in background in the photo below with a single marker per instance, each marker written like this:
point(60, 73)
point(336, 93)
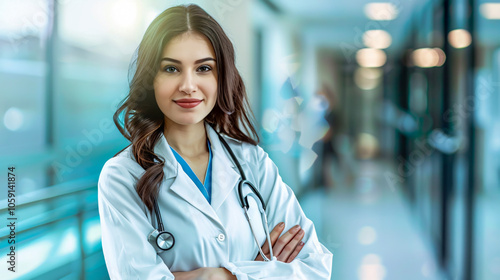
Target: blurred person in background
point(326, 148)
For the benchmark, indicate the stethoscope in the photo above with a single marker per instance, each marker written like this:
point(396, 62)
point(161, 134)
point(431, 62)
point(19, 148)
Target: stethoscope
point(163, 240)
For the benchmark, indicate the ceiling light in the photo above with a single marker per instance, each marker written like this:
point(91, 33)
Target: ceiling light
point(381, 11)
point(13, 119)
point(490, 10)
point(371, 57)
point(377, 39)
point(428, 57)
point(459, 38)
point(124, 14)
point(425, 57)
point(441, 55)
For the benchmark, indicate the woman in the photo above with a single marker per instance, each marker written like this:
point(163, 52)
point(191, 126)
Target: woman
point(186, 91)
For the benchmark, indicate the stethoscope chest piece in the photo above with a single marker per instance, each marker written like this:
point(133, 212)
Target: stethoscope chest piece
point(164, 240)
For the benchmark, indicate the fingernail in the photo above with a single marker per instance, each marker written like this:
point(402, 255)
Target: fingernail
point(295, 228)
point(281, 224)
point(301, 243)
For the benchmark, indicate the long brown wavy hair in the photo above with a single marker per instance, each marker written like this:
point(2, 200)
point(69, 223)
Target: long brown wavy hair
point(140, 119)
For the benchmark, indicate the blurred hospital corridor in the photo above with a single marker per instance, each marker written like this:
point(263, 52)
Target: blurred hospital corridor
point(381, 116)
point(370, 230)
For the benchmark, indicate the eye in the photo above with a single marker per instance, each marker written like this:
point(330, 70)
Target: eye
point(204, 68)
point(170, 69)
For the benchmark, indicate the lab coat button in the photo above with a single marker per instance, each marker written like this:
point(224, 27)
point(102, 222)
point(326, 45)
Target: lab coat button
point(221, 237)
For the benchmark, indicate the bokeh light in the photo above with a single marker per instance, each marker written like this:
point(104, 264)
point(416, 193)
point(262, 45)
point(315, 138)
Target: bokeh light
point(377, 39)
point(381, 11)
point(369, 57)
point(459, 38)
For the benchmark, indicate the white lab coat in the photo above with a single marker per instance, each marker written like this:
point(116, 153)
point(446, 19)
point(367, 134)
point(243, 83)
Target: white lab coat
point(216, 235)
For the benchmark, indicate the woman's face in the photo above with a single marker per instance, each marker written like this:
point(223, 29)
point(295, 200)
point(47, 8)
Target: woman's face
point(186, 84)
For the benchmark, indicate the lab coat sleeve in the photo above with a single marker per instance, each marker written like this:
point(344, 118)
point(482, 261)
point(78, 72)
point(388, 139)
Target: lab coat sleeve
point(125, 226)
point(314, 260)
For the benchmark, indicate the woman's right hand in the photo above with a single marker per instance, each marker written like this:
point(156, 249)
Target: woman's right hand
point(286, 247)
point(205, 273)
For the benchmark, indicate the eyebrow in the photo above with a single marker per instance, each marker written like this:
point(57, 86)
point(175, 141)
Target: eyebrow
point(196, 62)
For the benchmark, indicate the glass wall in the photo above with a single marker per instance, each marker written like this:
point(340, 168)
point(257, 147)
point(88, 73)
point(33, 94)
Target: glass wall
point(453, 185)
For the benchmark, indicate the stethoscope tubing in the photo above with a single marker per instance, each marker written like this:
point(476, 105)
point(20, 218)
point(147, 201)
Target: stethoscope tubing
point(244, 204)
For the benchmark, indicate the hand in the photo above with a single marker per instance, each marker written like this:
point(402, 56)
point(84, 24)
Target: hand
point(217, 273)
point(205, 273)
point(287, 247)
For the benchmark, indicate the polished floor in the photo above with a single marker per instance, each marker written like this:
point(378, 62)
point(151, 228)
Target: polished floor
point(368, 227)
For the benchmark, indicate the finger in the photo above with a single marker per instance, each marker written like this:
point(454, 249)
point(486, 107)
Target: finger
point(290, 246)
point(274, 234)
point(285, 239)
point(295, 252)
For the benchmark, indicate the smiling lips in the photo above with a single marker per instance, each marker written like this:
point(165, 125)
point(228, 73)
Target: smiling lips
point(188, 102)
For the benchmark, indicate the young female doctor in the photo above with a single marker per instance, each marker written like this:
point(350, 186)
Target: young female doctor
point(193, 196)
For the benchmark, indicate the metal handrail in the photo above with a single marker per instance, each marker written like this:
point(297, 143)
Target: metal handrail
point(46, 195)
point(51, 193)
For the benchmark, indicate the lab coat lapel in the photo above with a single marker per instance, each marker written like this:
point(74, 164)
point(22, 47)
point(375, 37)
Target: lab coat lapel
point(187, 190)
point(225, 175)
point(181, 184)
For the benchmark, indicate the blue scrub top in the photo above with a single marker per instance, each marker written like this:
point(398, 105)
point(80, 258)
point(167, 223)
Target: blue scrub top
point(206, 189)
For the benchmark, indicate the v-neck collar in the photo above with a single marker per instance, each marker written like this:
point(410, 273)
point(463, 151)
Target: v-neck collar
point(224, 174)
point(204, 187)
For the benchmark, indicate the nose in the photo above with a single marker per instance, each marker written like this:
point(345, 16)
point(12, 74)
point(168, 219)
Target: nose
point(188, 83)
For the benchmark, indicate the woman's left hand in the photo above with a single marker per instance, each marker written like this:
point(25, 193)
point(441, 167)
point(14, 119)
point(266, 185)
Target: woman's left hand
point(286, 247)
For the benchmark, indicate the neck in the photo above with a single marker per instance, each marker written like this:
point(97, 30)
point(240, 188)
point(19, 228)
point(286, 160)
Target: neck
point(187, 140)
